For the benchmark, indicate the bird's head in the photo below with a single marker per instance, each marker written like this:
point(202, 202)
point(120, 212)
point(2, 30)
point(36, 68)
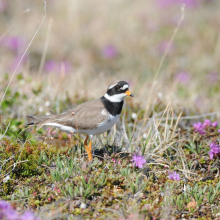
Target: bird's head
point(117, 91)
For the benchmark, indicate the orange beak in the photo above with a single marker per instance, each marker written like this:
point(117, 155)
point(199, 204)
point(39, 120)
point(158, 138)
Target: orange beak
point(128, 93)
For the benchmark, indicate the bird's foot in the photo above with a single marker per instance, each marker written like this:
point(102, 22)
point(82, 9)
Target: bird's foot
point(88, 149)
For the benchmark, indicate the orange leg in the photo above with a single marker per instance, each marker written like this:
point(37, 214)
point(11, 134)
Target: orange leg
point(88, 148)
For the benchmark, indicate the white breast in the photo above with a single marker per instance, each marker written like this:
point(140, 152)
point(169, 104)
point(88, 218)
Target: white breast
point(107, 125)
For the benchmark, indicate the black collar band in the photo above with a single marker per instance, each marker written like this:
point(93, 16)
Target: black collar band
point(114, 108)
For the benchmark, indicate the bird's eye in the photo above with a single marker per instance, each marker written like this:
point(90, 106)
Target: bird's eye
point(117, 88)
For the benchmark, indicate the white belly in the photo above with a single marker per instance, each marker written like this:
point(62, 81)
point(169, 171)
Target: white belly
point(102, 127)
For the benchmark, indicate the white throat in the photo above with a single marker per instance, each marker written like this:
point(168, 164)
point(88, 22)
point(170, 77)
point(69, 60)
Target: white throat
point(116, 97)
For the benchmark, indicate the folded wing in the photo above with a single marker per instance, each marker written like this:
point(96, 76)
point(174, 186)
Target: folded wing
point(84, 117)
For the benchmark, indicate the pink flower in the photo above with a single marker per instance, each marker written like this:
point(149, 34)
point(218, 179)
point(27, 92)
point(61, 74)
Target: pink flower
point(168, 3)
point(114, 160)
point(48, 131)
point(215, 149)
point(3, 5)
point(163, 46)
point(138, 160)
point(49, 199)
point(215, 124)
point(174, 176)
point(56, 66)
point(199, 128)
point(109, 52)
point(27, 216)
point(13, 43)
point(183, 77)
point(7, 212)
point(207, 123)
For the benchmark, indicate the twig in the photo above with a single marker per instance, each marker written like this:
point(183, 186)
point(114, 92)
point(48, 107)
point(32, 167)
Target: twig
point(45, 47)
point(13, 167)
point(24, 54)
point(165, 54)
point(5, 130)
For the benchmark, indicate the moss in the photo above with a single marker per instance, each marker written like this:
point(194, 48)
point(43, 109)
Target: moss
point(7, 187)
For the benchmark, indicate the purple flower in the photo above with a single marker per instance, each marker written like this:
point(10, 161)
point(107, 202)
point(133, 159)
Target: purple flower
point(8, 213)
point(215, 124)
point(13, 43)
point(138, 160)
point(215, 149)
point(174, 176)
point(3, 5)
point(199, 128)
point(183, 77)
point(56, 66)
point(28, 216)
point(207, 123)
point(49, 131)
point(109, 52)
point(11, 215)
point(168, 3)
point(4, 205)
point(163, 46)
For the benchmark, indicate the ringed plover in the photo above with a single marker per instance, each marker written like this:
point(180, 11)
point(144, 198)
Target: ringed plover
point(90, 118)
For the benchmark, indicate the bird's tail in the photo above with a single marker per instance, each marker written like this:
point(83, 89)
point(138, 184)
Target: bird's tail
point(40, 120)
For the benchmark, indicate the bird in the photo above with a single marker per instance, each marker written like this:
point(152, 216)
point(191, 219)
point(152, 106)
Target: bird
point(90, 118)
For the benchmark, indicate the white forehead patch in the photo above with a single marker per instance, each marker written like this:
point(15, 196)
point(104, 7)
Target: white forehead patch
point(110, 87)
point(124, 87)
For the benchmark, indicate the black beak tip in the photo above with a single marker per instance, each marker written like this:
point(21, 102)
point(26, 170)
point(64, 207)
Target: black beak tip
point(132, 95)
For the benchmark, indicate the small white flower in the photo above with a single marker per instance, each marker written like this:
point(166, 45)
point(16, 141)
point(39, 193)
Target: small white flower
point(144, 136)
point(160, 95)
point(134, 115)
point(83, 205)
point(40, 109)
point(47, 113)
point(47, 103)
point(6, 179)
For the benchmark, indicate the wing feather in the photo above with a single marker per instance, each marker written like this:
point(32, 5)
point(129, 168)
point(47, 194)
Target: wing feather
point(84, 116)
